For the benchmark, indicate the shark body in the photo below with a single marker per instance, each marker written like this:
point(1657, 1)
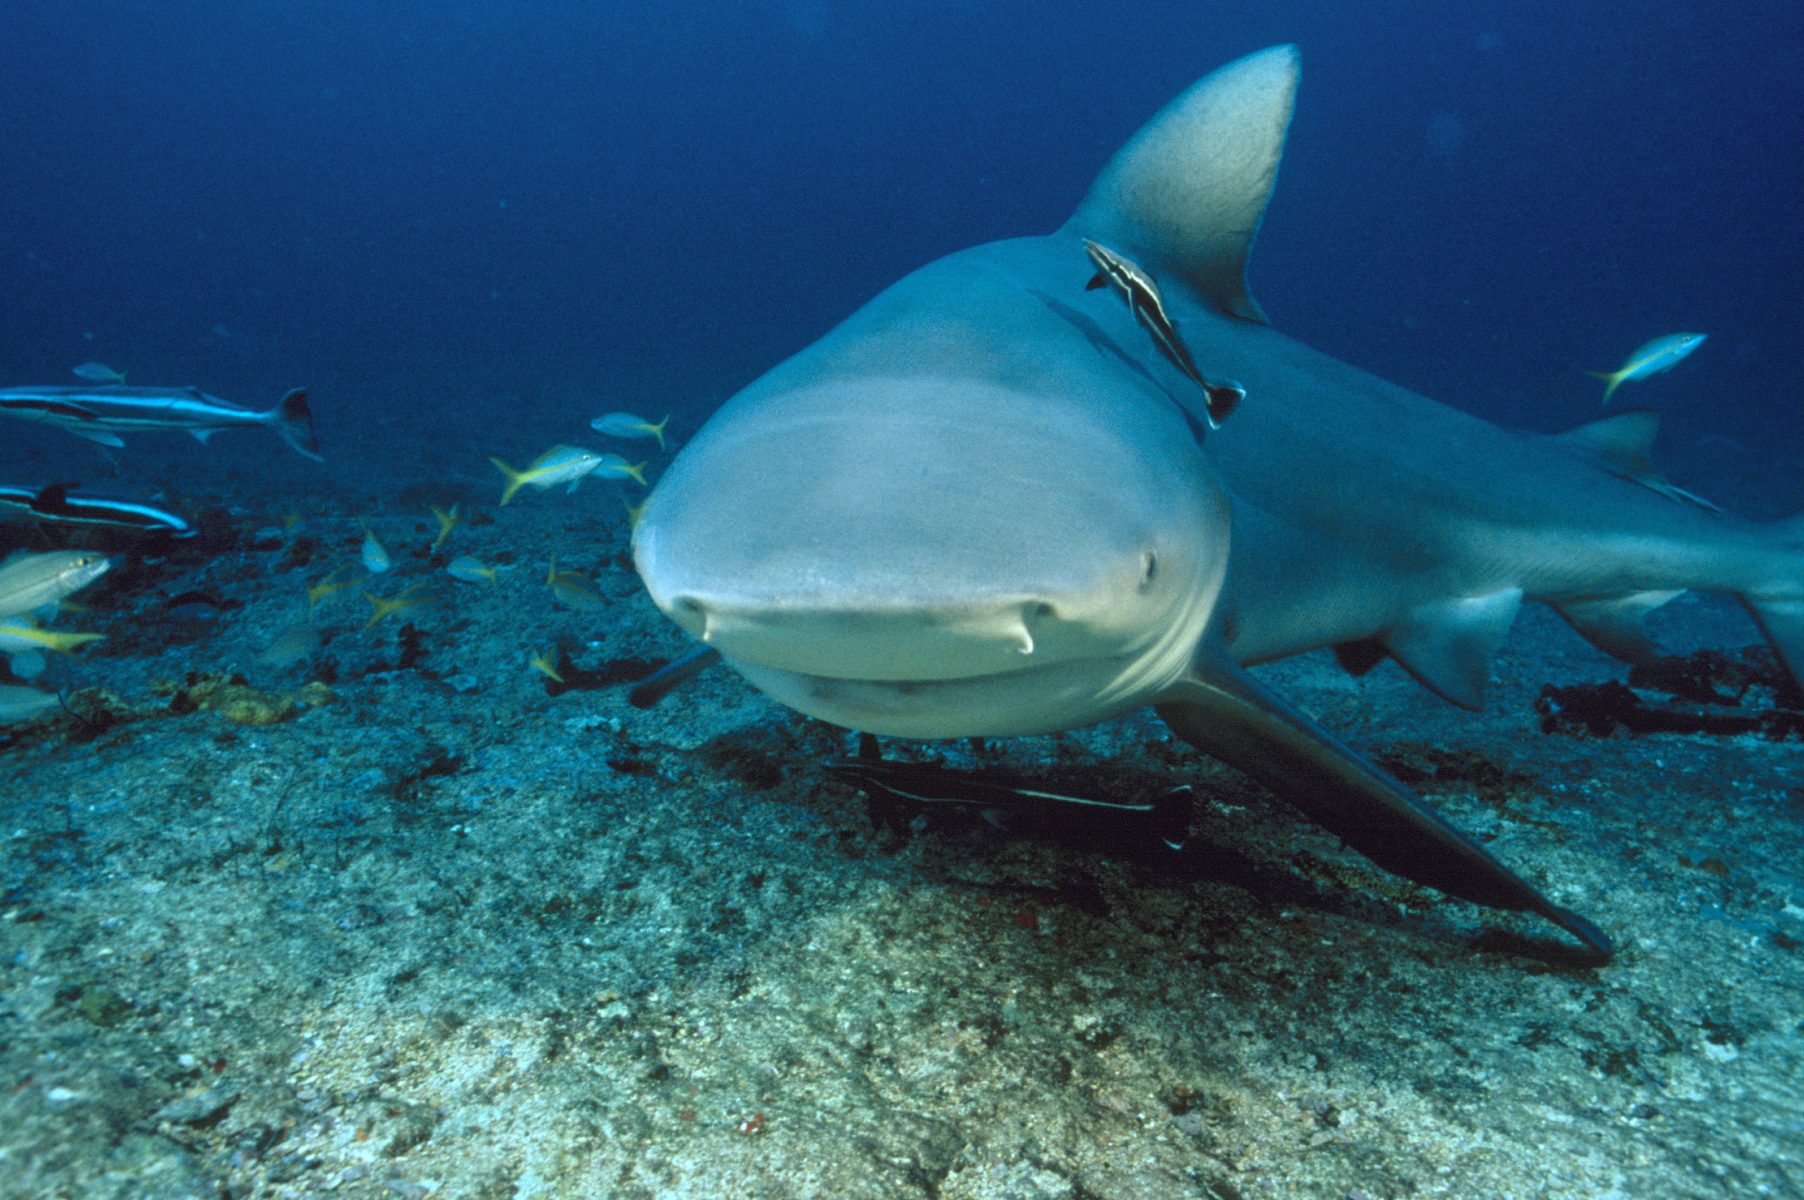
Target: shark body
point(989, 504)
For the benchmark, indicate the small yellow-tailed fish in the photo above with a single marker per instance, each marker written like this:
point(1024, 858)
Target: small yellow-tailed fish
point(1661, 354)
point(619, 468)
point(388, 606)
point(470, 570)
point(574, 590)
point(626, 425)
point(293, 644)
point(447, 521)
point(21, 704)
point(542, 663)
point(560, 464)
point(325, 587)
point(29, 582)
point(374, 554)
point(19, 636)
point(22, 644)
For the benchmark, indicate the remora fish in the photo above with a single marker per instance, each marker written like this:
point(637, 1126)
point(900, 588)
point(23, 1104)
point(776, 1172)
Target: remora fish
point(1651, 358)
point(996, 795)
point(58, 506)
point(102, 414)
point(1148, 306)
point(992, 520)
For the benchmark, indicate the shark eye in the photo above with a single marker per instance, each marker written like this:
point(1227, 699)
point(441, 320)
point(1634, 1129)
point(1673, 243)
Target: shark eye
point(1149, 569)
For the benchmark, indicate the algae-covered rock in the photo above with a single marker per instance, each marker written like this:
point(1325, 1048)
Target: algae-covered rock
point(236, 701)
point(314, 694)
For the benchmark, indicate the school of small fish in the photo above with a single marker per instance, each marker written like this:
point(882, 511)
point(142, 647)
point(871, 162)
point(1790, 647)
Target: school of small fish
point(34, 586)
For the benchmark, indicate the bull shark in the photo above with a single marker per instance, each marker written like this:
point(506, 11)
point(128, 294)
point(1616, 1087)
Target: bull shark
point(984, 506)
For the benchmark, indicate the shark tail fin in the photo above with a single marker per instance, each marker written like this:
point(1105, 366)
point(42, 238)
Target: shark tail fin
point(515, 480)
point(292, 419)
point(1187, 193)
point(1779, 608)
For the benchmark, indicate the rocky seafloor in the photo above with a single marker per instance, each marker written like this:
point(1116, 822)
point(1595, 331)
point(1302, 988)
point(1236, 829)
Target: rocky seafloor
point(392, 914)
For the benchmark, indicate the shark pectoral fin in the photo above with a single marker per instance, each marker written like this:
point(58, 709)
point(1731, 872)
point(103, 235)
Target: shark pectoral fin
point(1613, 623)
point(1447, 647)
point(1229, 715)
point(1188, 192)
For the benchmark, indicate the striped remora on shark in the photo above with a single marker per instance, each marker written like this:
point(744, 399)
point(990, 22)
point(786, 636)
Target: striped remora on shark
point(994, 520)
point(101, 414)
point(1147, 304)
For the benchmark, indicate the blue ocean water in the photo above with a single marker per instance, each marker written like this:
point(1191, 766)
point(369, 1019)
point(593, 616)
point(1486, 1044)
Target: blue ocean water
point(432, 213)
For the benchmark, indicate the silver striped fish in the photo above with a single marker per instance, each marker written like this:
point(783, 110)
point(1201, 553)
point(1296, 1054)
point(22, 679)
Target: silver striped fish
point(57, 505)
point(101, 414)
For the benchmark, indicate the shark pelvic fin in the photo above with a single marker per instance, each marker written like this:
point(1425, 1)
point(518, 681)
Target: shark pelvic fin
point(1613, 623)
point(1229, 715)
point(1448, 646)
point(1188, 192)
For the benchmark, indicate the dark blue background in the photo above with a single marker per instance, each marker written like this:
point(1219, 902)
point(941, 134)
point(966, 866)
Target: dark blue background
point(478, 224)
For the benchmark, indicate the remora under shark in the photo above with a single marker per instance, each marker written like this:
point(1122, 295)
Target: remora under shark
point(992, 516)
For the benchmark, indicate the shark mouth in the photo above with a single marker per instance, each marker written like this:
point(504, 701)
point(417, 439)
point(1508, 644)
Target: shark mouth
point(895, 645)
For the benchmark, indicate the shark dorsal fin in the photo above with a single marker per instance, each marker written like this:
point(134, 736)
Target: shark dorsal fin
point(1624, 439)
point(1187, 194)
point(1622, 442)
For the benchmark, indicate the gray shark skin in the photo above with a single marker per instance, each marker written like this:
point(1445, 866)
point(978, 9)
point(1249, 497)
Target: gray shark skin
point(987, 504)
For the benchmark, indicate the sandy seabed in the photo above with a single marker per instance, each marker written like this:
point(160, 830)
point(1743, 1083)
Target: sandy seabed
point(442, 928)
